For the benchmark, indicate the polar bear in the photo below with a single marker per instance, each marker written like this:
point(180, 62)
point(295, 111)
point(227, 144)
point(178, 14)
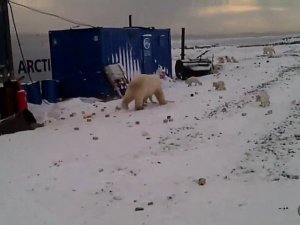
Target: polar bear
point(219, 85)
point(269, 51)
point(234, 60)
point(263, 98)
point(142, 87)
point(189, 81)
point(221, 60)
point(227, 59)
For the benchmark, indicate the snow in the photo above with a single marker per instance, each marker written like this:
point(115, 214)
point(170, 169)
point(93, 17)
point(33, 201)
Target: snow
point(98, 171)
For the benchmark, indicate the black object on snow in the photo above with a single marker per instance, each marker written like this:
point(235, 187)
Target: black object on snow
point(18, 122)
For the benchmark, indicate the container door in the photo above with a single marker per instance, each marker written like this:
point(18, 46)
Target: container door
point(147, 64)
point(89, 62)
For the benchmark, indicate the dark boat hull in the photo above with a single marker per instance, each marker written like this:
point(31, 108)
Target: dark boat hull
point(192, 68)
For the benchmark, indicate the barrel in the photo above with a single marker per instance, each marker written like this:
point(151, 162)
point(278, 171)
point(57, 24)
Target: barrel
point(50, 90)
point(22, 100)
point(33, 91)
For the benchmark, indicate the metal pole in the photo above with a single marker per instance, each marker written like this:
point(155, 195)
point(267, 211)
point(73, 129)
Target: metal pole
point(182, 42)
point(130, 20)
point(5, 51)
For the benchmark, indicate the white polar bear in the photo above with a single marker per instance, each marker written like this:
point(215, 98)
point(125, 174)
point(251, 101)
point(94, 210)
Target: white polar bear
point(221, 59)
point(270, 51)
point(263, 98)
point(234, 60)
point(227, 59)
point(219, 85)
point(142, 87)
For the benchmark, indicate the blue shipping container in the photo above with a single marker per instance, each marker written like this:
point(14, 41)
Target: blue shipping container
point(78, 57)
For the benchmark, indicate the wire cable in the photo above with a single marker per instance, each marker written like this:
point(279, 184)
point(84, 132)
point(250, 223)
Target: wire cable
point(51, 14)
point(18, 39)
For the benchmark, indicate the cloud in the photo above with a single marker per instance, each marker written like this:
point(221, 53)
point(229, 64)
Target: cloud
point(278, 9)
point(229, 9)
point(198, 16)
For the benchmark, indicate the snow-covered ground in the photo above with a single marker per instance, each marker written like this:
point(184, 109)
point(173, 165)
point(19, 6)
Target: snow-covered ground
point(138, 167)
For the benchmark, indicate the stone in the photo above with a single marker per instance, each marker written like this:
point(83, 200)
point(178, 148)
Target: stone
point(202, 181)
point(139, 209)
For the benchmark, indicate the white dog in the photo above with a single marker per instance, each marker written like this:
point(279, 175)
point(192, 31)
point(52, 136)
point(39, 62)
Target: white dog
point(269, 51)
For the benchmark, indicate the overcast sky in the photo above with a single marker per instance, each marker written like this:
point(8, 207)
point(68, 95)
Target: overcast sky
point(199, 17)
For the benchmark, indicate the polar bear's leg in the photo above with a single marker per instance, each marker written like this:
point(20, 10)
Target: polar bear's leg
point(126, 100)
point(145, 101)
point(198, 82)
point(151, 99)
point(159, 94)
point(269, 53)
point(139, 102)
point(273, 51)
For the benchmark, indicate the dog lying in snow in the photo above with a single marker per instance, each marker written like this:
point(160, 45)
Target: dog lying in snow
point(192, 80)
point(263, 98)
point(219, 85)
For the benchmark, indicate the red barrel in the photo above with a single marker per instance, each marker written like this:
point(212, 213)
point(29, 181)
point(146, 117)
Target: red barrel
point(22, 100)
